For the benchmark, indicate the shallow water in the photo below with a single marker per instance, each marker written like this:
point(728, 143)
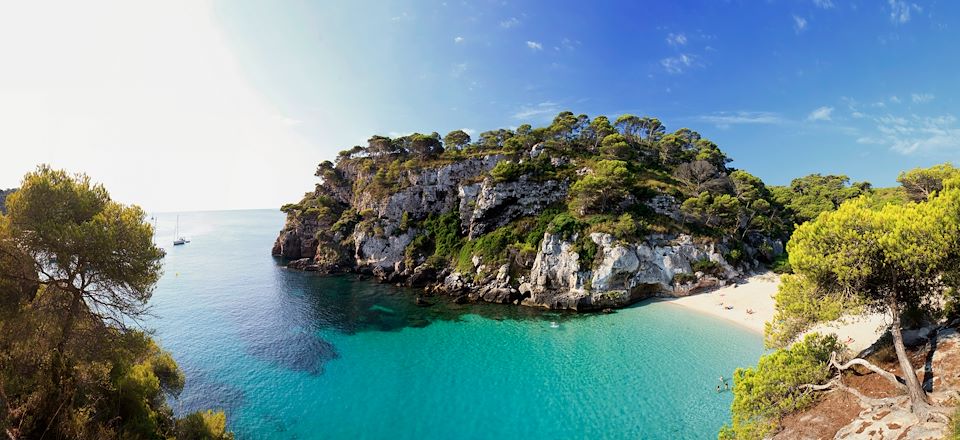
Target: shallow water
point(293, 355)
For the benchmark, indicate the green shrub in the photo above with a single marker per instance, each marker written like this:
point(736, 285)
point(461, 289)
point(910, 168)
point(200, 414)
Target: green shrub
point(491, 247)
point(951, 304)
point(203, 425)
point(622, 227)
point(506, 171)
point(439, 239)
point(542, 223)
point(684, 278)
point(706, 266)
point(735, 256)
point(290, 207)
point(348, 219)
point(781, 264)
point(587, 251)
point(763, 395)
point(565, 225)
point(537, 169)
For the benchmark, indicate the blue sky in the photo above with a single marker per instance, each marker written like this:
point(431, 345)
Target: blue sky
point(225, 104)
point(865, 88)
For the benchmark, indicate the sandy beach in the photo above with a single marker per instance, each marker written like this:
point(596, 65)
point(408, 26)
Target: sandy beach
point(751, 304)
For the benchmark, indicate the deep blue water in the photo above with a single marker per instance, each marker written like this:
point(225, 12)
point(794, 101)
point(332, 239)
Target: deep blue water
point(293, 355)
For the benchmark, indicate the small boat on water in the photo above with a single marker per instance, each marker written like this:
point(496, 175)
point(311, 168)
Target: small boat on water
point(179, 240)
point(554, 324)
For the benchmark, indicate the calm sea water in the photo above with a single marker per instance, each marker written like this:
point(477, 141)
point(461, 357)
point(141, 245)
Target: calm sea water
point(293, 355)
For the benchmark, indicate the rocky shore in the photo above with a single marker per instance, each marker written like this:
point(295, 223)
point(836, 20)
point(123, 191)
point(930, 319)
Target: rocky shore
point(373, 233)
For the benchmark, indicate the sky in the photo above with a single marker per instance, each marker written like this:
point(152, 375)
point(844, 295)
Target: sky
point(201, 105)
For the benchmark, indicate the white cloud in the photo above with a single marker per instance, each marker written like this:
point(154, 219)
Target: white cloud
point(164, 116)
point(895, 99)
point(538, 110)
point(534, 45)
point(458, 70)
point(900, 10)
point(920, 98)
point(469, 131)
point(820, 114)
point(510, 22)
point(799, 23)
point(676, 40)
point(726, 119)
point(823, 4)
point(916, 134)
point(679, 63)
point(458, 39)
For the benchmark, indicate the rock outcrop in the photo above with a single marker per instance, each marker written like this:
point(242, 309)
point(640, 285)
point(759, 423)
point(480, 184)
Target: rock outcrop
point(621, 273)
point(407, 222)
point(496, 204)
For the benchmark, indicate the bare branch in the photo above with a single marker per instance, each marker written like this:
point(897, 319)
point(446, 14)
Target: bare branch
point(894, 379)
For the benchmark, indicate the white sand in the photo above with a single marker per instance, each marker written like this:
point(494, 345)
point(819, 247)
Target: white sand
point(756, 295)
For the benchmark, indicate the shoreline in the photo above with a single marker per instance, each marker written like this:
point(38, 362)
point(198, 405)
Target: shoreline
point(756, 294)
point(753, 295)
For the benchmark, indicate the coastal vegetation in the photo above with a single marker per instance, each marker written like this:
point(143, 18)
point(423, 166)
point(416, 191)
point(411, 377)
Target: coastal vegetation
point(76, 272)
point(896, 256)
point(417, 208)
point(4, 193)
point(421, 207)
point(775, 387)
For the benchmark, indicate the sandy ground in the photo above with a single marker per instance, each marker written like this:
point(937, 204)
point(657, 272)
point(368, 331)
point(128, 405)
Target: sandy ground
point(736, 302)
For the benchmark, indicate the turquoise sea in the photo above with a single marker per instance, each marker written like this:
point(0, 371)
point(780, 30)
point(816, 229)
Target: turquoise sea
point(293, 355)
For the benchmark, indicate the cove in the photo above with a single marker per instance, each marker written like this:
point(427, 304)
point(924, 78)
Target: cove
point(294, 355)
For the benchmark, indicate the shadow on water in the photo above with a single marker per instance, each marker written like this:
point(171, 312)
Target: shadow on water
point(285, 328)
point(203, 391)
point(355, 303)
point(299, 351)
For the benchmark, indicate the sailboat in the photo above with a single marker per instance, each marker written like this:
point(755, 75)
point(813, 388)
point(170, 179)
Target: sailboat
point(180, 240)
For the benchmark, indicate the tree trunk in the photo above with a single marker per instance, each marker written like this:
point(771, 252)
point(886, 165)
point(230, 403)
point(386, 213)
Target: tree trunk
point(69, 322)
point(918, 398)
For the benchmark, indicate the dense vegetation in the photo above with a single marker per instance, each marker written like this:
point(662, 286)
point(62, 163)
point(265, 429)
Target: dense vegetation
point(611, 169)
point(4, 193)
point(775, 387)
point(893, 252)
point(76, 270)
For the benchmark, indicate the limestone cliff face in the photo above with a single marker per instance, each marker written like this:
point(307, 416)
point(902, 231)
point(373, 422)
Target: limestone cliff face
point(496, 204)
point(354, 222)
point(621, 273)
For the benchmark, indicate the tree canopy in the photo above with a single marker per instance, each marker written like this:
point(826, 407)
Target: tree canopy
point(923, 183)
point(808, 196)
point(775, 387)
point(77, 269)
point(860, 258)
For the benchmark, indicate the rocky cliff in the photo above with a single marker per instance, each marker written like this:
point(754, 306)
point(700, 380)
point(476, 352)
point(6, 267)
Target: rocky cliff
point(545, 221)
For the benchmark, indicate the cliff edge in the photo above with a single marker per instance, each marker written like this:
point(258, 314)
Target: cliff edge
point(583, 214)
